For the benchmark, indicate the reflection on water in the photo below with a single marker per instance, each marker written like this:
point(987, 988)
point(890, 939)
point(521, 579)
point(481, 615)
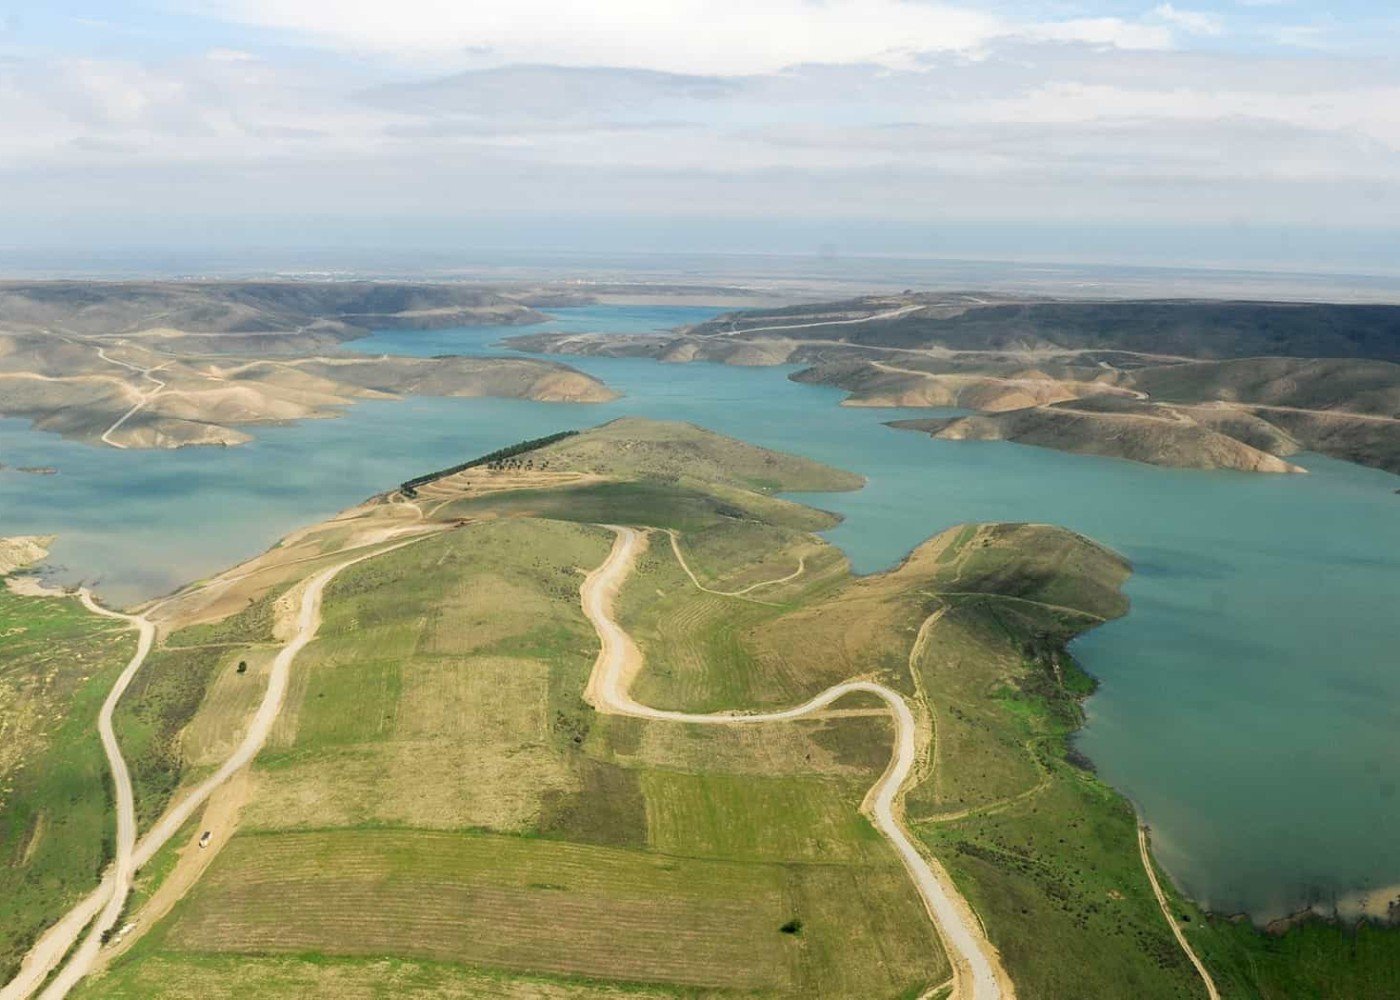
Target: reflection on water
point(1250, 702)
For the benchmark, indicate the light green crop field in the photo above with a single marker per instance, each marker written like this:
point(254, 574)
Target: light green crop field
point(56, 663)
point(758, 818)
point(507, 902)
point(443, 688)
point(698, 645)
point(172, 976)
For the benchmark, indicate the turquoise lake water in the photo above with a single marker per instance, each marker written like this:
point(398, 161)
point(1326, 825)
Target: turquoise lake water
point(1250, 702)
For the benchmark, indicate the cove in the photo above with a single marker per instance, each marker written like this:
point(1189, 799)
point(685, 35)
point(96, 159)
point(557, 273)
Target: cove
point(1250, 701)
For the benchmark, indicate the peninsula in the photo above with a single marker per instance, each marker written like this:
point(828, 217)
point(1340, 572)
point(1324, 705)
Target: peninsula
point(522, 729)
point(173, 364)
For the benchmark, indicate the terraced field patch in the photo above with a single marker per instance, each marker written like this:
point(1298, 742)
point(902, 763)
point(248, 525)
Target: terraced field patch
point(433, 697)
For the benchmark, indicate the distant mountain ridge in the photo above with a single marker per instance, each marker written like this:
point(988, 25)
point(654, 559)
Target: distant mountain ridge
point(1194, 328)
point(345, 307)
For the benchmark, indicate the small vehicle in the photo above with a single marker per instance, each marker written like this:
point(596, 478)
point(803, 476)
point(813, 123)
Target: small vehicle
point(204, 838)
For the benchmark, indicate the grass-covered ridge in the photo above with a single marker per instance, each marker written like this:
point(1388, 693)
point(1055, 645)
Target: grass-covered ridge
point(634, 447)
point(409, 487)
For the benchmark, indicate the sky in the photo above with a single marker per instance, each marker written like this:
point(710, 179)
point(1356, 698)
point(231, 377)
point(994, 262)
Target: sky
point(1218, 132)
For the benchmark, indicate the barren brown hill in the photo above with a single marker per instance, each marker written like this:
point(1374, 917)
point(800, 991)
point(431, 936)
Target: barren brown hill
point(131, 393)
point(1154, 438)
point(1351, 385)
point(1007, 386)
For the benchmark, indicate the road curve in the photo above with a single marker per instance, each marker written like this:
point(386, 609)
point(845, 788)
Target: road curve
point(145, 397)
point(131, 857)
point(976, 967)
point(680, 558)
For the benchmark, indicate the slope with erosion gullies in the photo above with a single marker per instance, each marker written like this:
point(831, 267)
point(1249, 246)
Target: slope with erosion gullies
point(1139, 432)
point(1213, 413)
point(1243, 414)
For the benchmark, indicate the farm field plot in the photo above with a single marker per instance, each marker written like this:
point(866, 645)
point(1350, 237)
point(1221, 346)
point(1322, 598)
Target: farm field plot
point(496, 901)
point(428, 700)
point(546, 906)
point(850, 746)
point(700, 651)
point(769, 819)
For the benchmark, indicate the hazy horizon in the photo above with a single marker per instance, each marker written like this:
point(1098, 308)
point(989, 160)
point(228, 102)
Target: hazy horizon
point(1221, 133)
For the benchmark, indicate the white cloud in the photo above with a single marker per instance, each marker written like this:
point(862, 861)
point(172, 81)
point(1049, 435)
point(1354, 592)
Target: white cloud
point(716, 37)
point(229, 55)
point(1193, 21)
point(1087, 128)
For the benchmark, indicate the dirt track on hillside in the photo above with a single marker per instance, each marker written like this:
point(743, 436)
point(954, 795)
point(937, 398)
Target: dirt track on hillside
point(977, 968)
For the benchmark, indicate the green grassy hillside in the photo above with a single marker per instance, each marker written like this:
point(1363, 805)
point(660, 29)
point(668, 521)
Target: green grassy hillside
point(57, 662)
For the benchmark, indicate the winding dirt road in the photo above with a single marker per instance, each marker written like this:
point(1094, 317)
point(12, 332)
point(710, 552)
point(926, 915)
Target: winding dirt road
point(145, 397)
point(680, 558)
point(110, 896)
point(977, 968)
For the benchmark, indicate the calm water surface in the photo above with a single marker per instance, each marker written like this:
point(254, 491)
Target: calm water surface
point(1250, 702)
